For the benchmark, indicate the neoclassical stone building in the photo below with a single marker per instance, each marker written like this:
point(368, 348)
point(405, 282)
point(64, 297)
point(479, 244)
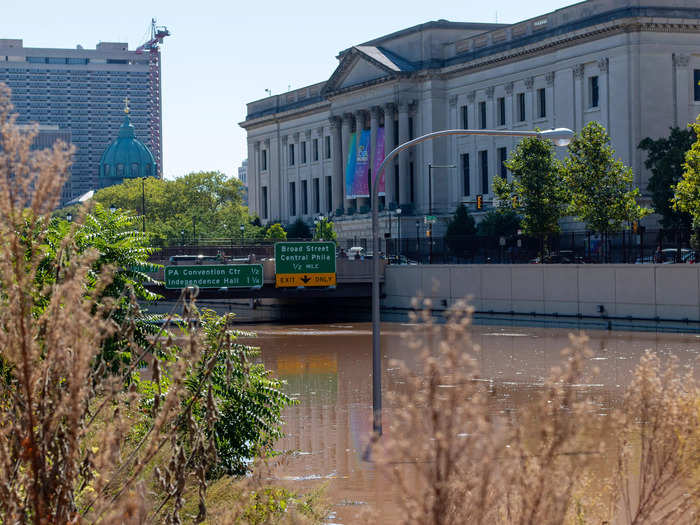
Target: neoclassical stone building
point(632, 65)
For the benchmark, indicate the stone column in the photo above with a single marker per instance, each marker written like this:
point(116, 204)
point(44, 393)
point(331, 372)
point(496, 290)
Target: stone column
point(389, 141)
point(345, 137)
point(530, 102)
point(579, 100)
point(404, 183)
point(603, 89)
point(551, 103)
point(337, 177)
point(283, 189)
point(359, 126)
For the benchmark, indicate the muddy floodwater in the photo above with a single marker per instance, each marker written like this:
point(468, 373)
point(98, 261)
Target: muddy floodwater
point(328, 369)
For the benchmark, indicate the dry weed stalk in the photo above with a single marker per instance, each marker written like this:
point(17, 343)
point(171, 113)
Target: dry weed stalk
point(659, 445)
point(65, 420)
point(456, 462)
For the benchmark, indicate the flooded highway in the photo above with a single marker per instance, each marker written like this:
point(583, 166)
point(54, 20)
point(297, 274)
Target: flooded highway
point(328, 369)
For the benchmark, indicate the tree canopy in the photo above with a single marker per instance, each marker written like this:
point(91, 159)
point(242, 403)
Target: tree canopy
point(460, 231)
point(205, 204)
point(602, 191)
point(537, 192)
point(687, 192)
point(665, 159)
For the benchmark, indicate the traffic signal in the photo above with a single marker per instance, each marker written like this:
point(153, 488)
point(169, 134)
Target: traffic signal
point(515, 201)
point(479, 202)
point(635, 226)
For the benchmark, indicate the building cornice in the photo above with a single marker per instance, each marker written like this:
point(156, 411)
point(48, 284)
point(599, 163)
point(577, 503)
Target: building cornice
point(282, 116)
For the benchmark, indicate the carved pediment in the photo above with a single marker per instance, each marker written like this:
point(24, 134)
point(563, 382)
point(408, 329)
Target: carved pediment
point(363, 64)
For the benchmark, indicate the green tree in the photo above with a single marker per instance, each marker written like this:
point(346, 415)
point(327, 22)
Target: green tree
point(209, 202)
point(665, 159)
point(325, 230)
point(537, 192)
point(299, 230)
point(602, 193)
point(460, 232)
point(501, 222)
point(121, 246)
point(686, 196)
point(275, 232)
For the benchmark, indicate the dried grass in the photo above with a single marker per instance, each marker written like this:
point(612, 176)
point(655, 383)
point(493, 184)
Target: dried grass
point(456, 460)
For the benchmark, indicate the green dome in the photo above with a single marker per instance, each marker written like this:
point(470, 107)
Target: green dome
point(126, 158)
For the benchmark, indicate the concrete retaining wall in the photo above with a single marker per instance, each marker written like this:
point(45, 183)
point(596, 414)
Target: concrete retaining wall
point(670, 291)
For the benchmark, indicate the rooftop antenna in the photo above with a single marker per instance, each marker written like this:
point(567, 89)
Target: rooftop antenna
point(268, 91)
point(289, 87)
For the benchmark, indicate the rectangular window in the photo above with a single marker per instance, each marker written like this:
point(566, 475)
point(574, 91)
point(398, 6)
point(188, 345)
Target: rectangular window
point(482, 115)
point(396, 133)
point(593, 92)
point(329, 194)
point(466, 183)
point(291, 154)
point(521, 107)
point(292, 199)
point(327, 139)
point(541, 103)
point(304, 198)
point(412, 189)
point(501, 111)
point(397, 195)
point(410, 128)
point(696, 84)
point(484, 165)
point(502, 157)
point(303, 152)
point(264, 202)
point(263, 160)
point(465, 117)
point(317, 197)
point(315, 149)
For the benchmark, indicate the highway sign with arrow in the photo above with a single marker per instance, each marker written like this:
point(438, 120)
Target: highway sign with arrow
point(304, 264)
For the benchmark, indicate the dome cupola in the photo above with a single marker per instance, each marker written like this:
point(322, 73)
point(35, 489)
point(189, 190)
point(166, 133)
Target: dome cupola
point(126, 157)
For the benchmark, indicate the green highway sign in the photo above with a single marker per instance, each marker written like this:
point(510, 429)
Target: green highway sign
point(430, 219)
point(305, 264)
point(214, 276)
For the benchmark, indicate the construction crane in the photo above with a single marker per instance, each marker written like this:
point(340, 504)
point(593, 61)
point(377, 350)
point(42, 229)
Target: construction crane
point(158, 33)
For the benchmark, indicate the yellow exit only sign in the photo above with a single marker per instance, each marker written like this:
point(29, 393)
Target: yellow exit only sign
point(304, 279)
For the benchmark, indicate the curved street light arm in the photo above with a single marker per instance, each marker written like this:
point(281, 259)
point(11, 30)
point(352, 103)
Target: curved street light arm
point(560, 137)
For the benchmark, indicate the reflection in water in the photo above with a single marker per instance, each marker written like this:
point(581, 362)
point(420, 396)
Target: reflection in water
point(328, 368)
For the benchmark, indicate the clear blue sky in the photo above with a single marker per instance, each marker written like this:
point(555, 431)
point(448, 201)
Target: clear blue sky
point(223, 54)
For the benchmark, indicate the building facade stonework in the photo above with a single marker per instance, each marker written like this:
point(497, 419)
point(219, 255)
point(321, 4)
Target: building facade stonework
point(632, 65)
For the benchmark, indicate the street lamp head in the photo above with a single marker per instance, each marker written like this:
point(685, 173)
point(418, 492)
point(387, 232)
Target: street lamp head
point(560, 136)
point(69, 217)
point(112, 208)
point(398, 211)
point(242, 227)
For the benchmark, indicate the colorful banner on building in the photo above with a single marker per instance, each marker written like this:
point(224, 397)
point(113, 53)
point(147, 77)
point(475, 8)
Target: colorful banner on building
point(350, 166)
point(379, 154)
point(357, 167)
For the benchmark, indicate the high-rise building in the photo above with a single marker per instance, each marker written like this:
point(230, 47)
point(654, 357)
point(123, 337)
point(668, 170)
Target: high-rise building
point(243, 177)
point(83, 91)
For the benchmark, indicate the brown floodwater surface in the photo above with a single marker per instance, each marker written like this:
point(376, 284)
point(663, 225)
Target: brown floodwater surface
point(328, 369)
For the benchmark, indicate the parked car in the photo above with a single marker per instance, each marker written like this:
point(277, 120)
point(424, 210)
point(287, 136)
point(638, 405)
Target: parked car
point(562, 257)
point(668, 256)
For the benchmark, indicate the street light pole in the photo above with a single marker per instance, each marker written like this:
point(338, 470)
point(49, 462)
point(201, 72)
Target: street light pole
point(398, 219)
point(143, 203)
point(560, 137)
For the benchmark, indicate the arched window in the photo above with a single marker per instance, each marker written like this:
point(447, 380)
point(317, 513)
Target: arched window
point(106, 170)
point(148, 170)
point(134, 170)
point(120, 170)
